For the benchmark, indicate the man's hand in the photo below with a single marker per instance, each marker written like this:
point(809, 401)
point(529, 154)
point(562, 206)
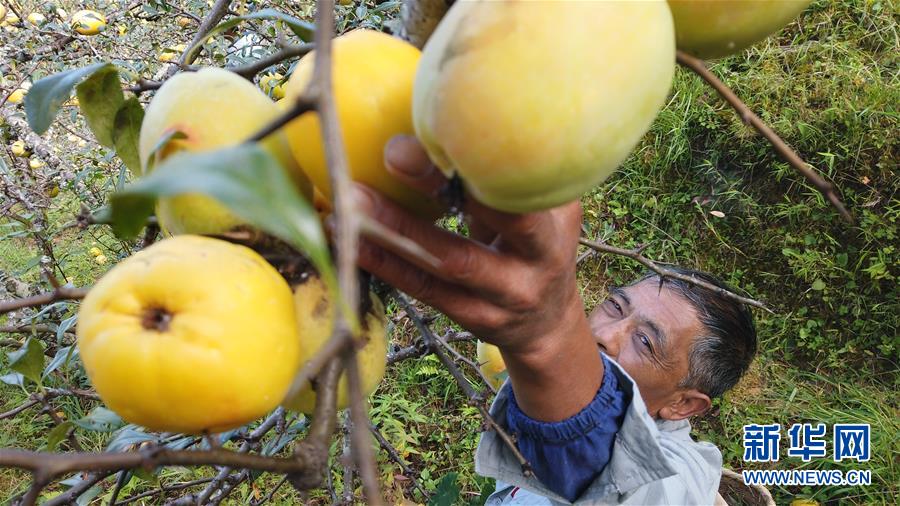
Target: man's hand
point(512, 283)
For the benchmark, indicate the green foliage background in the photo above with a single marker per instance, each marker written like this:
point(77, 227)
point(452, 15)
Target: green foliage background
point(829, 84)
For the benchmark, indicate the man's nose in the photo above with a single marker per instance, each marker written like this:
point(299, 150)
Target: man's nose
point(609, 339)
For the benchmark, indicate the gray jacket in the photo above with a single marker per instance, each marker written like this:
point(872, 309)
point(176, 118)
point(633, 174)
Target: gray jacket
point(654, 462)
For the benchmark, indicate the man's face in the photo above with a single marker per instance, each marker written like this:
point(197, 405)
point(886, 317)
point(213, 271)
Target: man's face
point(649, 332)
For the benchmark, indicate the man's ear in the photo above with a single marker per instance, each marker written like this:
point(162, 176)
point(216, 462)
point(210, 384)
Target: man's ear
point(687, 403)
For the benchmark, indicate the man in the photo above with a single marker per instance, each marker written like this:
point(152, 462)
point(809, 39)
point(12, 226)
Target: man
point(589, 434)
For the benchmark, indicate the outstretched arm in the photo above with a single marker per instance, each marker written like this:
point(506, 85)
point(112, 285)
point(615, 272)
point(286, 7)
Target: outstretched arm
point(511, 282)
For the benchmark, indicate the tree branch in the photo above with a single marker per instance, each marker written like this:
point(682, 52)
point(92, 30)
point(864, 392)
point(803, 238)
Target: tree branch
point(668, 273)
point(395, 456)
point(747, 116)
point(475, 399)
point(61, 293)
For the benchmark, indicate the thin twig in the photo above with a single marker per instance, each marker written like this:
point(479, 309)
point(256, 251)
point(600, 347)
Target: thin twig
point(395, 456)
point(285, 53)
point(475, 398)
point(363, 455)
point(163, 489)
point(749, 117)
point(668, 273)
point(62, 293)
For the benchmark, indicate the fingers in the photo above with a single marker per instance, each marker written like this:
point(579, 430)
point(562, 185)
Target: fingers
point(529, 234)
point(405, 159)
point(455, 301)
point(461, 261)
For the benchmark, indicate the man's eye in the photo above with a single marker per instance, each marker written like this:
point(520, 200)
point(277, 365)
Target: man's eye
point(646, 342)
point(616, 306)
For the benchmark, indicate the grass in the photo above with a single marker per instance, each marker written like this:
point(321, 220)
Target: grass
point(830, 352)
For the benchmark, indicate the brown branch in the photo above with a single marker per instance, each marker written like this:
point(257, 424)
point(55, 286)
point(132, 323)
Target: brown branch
point(363, 455)
point(70, 495)
point(212, 18)
point(163, 489)
point(47, 465)
point(285, 53)
point(61, 293)
point(22, 407)
point(475, 398)
point(419, 349)
point(747, 116)
point(395, 456)
point(668, 273)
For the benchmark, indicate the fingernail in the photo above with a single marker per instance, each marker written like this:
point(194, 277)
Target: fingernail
point(402, 156)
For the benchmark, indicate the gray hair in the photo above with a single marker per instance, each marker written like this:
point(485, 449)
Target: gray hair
point(723, 352)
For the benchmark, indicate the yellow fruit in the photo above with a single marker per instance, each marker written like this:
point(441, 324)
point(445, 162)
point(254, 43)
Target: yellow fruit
point(804, 502)
point(714, 28)
point(100, 259)
point(18, 148)
point(491, 364)
point(167, 57)
point(17, 96)
point(122, 30)
point(2, 12)
point(95, 251)
point(372, 81)
point(36, 18)
point(189, 335)
point(183, 22)
point(535, 103)
point(36, 163)
point(315, 314)
point(271, 85)
point(12, 19)
point(214, 108)
point(87, 22)
point(53, 191)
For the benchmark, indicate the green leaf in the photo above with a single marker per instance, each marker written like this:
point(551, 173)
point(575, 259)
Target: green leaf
point(126, 133)
point(169, 136)
point(818, 285)
point(100, 97)
point(55, 436)
point(447, 491)
point(47, 95)
point(28, 360)
point(302, 29)
point(247, 180)
point(100, 419)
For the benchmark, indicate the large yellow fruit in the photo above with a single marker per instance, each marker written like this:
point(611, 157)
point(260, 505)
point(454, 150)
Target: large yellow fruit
point(214, 108)
point(315, 316)
point(87, 22)
point(535, 103)
point(714, 28)
point(189, 335)
point(491, 364)
point(373, 77)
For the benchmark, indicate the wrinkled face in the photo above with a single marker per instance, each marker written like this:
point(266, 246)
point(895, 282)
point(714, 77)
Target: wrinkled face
point(649, 332)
